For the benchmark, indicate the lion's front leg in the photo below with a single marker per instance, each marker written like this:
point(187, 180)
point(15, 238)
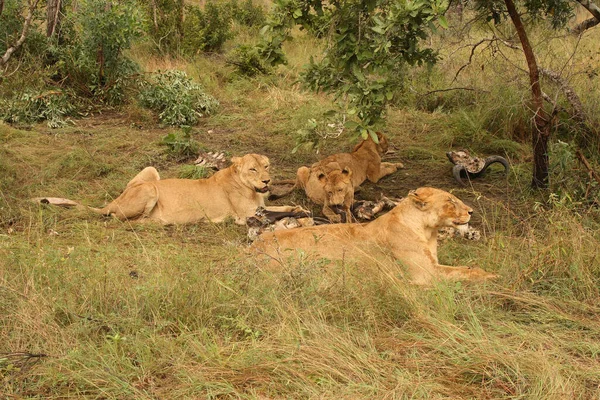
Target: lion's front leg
point(378, 171)
point(331, 215)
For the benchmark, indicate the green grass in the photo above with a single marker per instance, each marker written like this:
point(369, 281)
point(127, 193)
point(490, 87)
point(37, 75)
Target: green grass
point(97, 308)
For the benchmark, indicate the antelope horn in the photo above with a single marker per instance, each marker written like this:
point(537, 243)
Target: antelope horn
point(456, 170)
point(496, 159)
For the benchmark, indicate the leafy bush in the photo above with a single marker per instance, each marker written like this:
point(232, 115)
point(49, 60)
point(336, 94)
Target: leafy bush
point(52, 106)
point(176, 98)
point(206, 31)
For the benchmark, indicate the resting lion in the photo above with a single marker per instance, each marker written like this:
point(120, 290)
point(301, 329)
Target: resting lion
point(236, 191)
point(407, 234)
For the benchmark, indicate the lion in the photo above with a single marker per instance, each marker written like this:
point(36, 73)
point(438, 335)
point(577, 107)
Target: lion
point(339, 192)
point(364, 162)
point(407, 234)
point(237, 192)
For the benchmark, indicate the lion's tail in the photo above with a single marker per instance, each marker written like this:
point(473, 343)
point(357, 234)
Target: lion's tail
point(62, 202)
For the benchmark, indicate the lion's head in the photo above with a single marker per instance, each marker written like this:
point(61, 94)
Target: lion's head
point(337, 183)
point(440, 207)
point(253, 171)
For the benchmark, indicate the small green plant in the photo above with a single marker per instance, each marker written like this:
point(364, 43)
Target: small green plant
point(177, 99)
point(181, 144)
point(571, 185)
point(194, 172)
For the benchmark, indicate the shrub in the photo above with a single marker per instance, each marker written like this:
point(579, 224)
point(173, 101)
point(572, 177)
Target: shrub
point(248, 61)
point(176, 98)
point(206, 31)
point(91, 59)
point(247, 13)
point(52, 106)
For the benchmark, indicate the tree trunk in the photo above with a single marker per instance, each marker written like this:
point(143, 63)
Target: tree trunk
point(180, 18)
point(1, 7)
point(541, 133)
point(53, 17)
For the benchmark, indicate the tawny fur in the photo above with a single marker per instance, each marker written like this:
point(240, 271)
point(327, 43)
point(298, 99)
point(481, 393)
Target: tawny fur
point(234, 192)
point(364, 162)
point(405, 236)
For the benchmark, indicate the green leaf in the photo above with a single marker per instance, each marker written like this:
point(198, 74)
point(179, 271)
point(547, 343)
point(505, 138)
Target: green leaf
point(443, 22)
point(373, 135)
point(351, 125)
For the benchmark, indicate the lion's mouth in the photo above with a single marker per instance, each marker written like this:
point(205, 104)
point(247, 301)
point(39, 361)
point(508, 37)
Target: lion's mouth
point(262, 190)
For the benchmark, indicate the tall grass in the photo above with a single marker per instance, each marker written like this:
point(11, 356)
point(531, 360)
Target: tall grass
point(97, 308)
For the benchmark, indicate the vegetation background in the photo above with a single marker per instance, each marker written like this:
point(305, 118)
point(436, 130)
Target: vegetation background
point(104, 309)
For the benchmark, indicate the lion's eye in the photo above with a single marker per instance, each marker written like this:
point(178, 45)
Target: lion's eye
point(253, 170)
point(267, 167)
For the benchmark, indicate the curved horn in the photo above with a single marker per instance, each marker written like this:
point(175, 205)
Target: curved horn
point(456, 170)
point(491, 160)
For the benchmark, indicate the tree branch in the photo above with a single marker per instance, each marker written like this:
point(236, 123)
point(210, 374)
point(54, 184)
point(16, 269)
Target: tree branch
point(570, 94)
point(9, 52)
point(588, 23)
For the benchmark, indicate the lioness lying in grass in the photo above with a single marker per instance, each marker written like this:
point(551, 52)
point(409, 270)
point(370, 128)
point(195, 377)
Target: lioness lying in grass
point(236, 191)
point(407, 234)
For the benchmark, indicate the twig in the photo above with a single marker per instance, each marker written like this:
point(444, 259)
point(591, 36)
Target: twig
point(474, 47)
point(587, 165)
point(456, 88)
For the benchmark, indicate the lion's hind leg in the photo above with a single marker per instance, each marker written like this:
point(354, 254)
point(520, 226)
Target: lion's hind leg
point(464, 273)
point(136, 201)
point(148, 174)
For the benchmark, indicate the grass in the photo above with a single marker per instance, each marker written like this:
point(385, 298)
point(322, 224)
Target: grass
point(97, 308)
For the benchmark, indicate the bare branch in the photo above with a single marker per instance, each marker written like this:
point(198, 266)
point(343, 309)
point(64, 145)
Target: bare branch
point(589, 23)
point(9, 52)
point(585, 25)
point(570, 94)
point(474, 47)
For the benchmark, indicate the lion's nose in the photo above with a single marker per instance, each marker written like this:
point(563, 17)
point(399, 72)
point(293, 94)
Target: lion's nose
point(266, 181)
point(470, 212)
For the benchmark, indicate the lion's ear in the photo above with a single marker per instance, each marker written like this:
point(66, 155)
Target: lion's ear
point(347, 171)
point(236, 162)
point(322, 177)
point(417, 200)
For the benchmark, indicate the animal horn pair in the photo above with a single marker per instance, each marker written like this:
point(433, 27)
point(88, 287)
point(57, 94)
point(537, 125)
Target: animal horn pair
point(460, 170)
